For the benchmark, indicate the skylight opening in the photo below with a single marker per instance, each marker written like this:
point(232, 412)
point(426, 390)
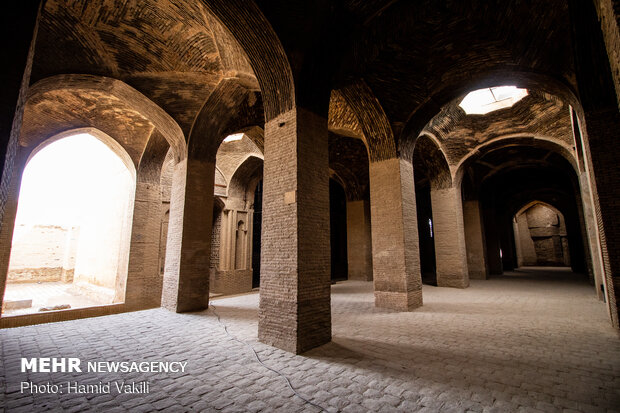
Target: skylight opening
point(483, 101)
point(234, 137)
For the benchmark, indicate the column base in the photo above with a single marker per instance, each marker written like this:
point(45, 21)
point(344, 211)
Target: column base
point(477, 275)
point(398, 301)
point(455, 282)
point(360, 277)
point(279, 327)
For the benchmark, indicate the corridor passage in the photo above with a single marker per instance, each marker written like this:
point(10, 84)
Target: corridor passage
point(530, 340)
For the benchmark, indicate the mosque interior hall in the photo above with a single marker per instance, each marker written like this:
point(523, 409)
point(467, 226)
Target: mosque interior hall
point(339, 206)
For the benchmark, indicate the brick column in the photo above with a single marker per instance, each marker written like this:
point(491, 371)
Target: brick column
point(19, 25)
point(474, 241)
point(359, 240)
point(186, 276)
point(595, 81)
point(143, 279)
point(294, 311)
point(602, 137)
point(19, 29)
point(591, 230)
point(395, 250)
point(449, 235)
point(8, 221)
point(524, 242)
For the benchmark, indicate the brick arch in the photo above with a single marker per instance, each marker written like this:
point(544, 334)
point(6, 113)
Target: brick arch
point(536, 202)
point(557, 201)
point(372, 121)
point(137, 130)
point(257, 135)
point(429, 157)
point(248, 169)
point(74, 101)
point(543, 142)
point(348, 161)
point(341, 118)
point(218, 205)
point(251, 29)
point(154, 159)
point(560, 204)
point(235, 104)
point(541, 82)
point(28, 153)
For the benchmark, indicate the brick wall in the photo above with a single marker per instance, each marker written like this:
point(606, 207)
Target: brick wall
point(609, 15)
point(43, 253)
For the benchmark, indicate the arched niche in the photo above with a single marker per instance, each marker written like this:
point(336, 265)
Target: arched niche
point(86, 174)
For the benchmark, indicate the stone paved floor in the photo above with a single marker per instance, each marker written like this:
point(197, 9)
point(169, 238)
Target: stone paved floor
point(45, 294)
point(529, 341)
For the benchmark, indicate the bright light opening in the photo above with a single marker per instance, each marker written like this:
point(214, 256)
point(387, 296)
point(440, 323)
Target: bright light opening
point(71, 236)
point(234, 137)
point(430, 227)
point(482, 101)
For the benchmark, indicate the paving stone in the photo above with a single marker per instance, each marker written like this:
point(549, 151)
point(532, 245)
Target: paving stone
point(504, 344)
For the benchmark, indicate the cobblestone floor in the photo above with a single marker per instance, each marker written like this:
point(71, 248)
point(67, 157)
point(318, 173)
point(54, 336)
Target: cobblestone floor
point(529, 341)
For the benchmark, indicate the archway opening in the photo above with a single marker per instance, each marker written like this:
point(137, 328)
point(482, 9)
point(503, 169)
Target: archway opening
point(256, 234)
point(425, 233)
point(540, 237)
point(432, 177)
point(338, 231)
point(70, 246)
point(236, 231)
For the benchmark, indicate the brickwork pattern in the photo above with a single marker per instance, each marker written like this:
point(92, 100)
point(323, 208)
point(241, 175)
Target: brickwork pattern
point(609, 15)
point(230, 281)
point(196, 236)
point(144, 283)
point(449, 236)
point(186, 276)
point(601, 134)
point(8, 222)
point(538, 114)
point(9, 167)
point(295, 257)
point(477, 264)
point(535, 342)
point(592, 233)
point(395, 257)
point(359, 240)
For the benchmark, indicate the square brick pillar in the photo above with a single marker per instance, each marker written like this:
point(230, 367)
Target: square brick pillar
point(21, 21)
point(395, 249)
point(144, 283)
point(602, 142)
point(8, 221)
point(474, 241)
point(294, 312)
point(449, 236)
point(188, 248)
point(592, 235)
point(359, 240)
